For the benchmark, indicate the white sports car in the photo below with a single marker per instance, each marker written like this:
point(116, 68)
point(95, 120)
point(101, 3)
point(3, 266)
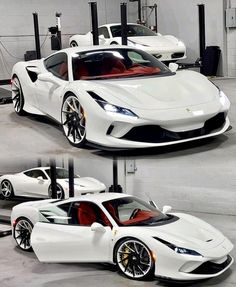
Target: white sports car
point(36, 182)
point(119, 97)
point(163, 47)
point(123, 230)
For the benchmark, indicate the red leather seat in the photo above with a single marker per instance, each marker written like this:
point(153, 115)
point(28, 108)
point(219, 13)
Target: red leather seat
point(63, 71)
point(86, 214)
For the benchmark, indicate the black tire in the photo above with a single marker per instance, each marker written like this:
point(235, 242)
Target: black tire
point(73, 121)
point(60, 192)
point(134, 259)
point(114, 43)
point(22, 233)
point(18, 96)
point(73, 44)
point(7, 189)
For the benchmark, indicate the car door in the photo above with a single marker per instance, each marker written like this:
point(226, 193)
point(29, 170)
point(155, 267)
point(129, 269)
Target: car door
point(61, 238)
point(50, 91)
point(34, 183)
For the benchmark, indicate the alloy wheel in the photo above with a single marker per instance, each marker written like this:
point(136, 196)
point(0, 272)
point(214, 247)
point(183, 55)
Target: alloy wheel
point(134, 259)
point(73, 120)
point(59, 192)
point(17, 96)
point(6, 189)
point(22, 233)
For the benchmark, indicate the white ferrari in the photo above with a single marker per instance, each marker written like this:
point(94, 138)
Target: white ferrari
point(163, 47)
point(119, 97)
point(36, 182)
point(123, 230)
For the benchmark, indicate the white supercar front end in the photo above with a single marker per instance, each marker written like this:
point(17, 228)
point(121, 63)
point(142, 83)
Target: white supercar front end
point(123, 230)
point(119, 97)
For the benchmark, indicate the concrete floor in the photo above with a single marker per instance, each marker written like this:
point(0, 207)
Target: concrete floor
point(23, 268)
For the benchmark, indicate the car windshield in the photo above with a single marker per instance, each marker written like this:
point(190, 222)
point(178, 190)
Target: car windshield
point(130, 211)
point(61, 173)
point(116, 63)
point(132, 31)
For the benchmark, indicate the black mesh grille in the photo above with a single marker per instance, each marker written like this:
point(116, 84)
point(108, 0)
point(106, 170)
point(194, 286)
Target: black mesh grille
point(156, 134)
point(212, 268)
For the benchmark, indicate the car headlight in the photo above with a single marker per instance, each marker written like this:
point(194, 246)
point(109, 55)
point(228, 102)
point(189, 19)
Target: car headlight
point(109, 108)
point(179, 250)
point(186, 251)
point(134, 44)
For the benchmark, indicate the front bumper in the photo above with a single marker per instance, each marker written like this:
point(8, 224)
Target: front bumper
point(213, 263)
point(166, 53)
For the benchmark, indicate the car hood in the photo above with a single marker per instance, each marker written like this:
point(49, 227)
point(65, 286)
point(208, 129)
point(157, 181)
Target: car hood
point(188, 232)
point(183, 89)
point(83, 182)
point(156, 41)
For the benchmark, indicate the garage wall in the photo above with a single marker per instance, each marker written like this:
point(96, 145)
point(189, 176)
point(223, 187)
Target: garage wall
point(17, 31)
point(231, 43)
point(189, 185)
point(180, 18)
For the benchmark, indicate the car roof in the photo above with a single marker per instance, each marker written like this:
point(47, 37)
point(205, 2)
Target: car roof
point(73, 50)
point(115, 24)
point(98, 197)
point(42, 168)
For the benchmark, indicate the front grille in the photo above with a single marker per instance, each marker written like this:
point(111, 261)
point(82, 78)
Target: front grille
point(156, 134)
point(177, 55)
point(212, 268)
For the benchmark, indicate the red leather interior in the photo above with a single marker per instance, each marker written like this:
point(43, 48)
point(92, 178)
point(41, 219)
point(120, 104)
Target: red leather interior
point(86, 214)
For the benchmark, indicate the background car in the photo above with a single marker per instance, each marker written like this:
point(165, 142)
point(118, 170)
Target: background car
point(123, 230)
point(164, 47)
point(36, 182)
point(119, 97)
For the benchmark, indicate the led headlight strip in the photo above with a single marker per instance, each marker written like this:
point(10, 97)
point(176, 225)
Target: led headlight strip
point(179, 250)
point(110, 108)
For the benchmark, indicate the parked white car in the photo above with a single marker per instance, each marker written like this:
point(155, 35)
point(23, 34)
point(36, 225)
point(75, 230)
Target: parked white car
point(163, 47)
point(119, 97)
point(123, 230)
point(36, 182)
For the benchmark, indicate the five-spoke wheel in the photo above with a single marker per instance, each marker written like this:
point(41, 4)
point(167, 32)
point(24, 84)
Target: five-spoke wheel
point(59, 192)
point(22, 232)
point(73, 120)
point(7, 189)
point(17, 96)
point(134, 259)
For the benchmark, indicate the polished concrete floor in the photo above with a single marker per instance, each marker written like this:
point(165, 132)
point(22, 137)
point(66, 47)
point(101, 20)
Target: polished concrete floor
point(18, 268)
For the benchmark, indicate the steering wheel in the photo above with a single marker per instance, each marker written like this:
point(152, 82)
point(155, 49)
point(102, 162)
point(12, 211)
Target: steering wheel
point(134, 213)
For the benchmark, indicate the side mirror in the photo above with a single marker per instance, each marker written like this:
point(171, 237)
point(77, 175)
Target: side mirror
point(97, 227)
point(47, 77)
point(101, 36)
point(173, 67)
point(40, 178)
point(166, 209)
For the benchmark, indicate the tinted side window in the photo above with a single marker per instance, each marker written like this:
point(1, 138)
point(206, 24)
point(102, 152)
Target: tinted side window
point(37, 173)
point(28, 173)
point(75, 213)
point(58, 65)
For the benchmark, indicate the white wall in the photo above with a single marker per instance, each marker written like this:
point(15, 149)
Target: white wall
point(180, 18)
point(231, 43)
point(17, 31)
